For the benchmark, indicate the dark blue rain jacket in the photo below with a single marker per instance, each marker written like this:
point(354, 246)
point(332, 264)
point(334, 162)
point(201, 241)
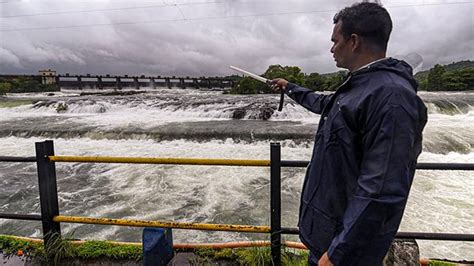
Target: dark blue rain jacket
point(363, 163)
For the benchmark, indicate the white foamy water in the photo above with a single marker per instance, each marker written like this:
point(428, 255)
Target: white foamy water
point(154, 108)
point(440, 201)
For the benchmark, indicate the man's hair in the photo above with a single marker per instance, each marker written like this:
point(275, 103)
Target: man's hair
point(368, 20)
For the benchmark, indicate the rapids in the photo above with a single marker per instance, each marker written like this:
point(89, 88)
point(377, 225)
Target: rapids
point(208, 124)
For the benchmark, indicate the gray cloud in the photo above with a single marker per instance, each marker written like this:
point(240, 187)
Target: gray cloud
point(201, 45)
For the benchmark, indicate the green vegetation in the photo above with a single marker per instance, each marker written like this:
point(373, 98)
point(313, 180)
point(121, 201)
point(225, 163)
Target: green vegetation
point(62, 248)
point(441, 263)
point(5, 87)
point(59, 247)
point(10, 246)
point(10, 103)
point(293, 74)
point(255, 256)
point(24, 84)
point(457, 76)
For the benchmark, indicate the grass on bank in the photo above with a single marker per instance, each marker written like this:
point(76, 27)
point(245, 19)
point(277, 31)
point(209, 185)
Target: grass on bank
point(63, 248)
point(254, 256)
point(13, 103)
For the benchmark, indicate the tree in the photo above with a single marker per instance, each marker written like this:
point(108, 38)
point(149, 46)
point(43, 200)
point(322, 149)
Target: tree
point(291, 73)
point(422, 84)
point(467, 77)
point(4, 87)
point(247, 86)
point(314, 81)
point(333, 81)
point(251, 86)
point(435, 78)
point(453, 81)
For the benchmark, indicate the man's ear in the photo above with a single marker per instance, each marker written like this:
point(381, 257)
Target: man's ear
point(355, 42)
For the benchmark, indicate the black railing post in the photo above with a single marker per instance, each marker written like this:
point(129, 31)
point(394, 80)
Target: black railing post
point(275, 202)
point(48, 189)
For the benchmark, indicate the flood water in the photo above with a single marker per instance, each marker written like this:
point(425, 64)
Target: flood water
point(208, 124)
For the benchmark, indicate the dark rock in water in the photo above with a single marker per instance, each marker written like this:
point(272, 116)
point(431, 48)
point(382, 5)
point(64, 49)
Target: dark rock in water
point(402, 252)
point(266, 112)
point(61, 107)
point(239, 113)
point(263, 112)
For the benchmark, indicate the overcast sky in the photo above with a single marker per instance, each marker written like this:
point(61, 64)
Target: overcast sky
point(204, 37)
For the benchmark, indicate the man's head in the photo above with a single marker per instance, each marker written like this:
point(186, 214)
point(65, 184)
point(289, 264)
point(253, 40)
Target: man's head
point(361, 33)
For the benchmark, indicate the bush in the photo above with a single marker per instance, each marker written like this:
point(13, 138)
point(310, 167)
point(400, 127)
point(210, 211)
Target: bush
point(25, 84)
point(5, 87)
point(293, 74)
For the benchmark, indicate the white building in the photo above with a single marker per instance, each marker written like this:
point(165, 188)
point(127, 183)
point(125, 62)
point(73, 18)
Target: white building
point(48, 76)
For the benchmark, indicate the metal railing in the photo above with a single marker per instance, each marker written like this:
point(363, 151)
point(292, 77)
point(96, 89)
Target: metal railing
point(51, 219)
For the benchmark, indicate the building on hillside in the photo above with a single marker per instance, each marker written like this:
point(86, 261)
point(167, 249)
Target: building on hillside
point(48, 76)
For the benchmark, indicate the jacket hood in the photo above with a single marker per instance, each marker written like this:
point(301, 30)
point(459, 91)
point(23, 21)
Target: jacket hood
point(401, 68)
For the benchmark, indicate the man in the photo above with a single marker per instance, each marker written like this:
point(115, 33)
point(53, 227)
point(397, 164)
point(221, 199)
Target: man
point(366, 147)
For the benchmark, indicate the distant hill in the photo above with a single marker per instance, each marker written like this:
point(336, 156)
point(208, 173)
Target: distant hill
point(424, 74)
point(453, 66)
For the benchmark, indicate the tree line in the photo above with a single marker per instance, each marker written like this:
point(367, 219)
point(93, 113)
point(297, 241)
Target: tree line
point(24, 84)
point(457, 76)
point(453, 77)
point(314, 81)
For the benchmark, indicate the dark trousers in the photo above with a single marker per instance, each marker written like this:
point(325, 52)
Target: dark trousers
point(312, 259)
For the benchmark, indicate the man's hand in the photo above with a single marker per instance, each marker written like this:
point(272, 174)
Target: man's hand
point(279, 85)
point(324, 260)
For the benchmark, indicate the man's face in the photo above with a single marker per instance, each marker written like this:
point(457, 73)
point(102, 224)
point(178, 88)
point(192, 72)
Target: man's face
point(341, 48)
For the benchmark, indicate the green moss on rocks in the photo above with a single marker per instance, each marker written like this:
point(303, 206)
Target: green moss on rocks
point(254, 256)
point(95, 249)
point(61, 249)
point(10, 246)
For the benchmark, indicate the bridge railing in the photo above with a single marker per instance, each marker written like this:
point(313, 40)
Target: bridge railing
point(51, 218)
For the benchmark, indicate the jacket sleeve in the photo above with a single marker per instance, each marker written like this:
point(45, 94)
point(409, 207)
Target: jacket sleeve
point(386, 173)
point(307, 98)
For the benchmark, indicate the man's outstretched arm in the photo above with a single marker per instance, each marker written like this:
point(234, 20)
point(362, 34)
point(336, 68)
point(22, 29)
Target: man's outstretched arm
point(314, 102)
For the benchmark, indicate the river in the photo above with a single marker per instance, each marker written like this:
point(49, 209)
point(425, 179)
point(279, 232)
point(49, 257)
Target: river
point(208, 124)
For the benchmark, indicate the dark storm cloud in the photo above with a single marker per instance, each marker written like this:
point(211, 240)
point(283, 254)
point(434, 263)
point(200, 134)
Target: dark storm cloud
point(195, 44)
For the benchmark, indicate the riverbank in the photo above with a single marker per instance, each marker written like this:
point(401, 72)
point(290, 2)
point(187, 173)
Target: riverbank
point(20, 251)
point(30, 251)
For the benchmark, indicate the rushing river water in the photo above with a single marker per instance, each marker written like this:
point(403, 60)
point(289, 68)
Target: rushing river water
point(207, 124)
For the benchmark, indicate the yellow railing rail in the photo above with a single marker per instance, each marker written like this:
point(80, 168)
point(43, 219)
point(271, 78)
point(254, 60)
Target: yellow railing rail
point(144, 160)
point(51, 219)
point(163, 224)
